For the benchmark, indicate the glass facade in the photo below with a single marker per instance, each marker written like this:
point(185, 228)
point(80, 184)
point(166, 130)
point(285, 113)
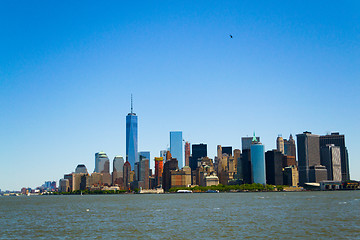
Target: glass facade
point(102, 163)
point(132, 139)
point(176, 147)
point(258, 163)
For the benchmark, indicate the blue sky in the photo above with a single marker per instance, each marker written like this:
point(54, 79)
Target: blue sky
point(67, 71)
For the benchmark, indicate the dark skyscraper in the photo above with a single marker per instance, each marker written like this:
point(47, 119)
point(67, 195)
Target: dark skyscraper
point(308, 154)
point(198, 151)
point(227, 150)
point(169, 165)
point(132, 137)
point(246, 142)
point(273, 161)
point(338, 140)
point(244, 167)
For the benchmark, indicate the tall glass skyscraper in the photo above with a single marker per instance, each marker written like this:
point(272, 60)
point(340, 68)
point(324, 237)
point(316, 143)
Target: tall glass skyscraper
point(176, 147)
point(257, 152)
point(132, 137)
point(102, 163)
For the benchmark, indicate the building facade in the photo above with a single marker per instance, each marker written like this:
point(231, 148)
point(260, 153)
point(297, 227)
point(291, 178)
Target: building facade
point(308, 154)
point(338, 140)
point(176, 146)
point(331, 158)
point(274, 168)
point(118, 165)
point(280, 144)
point(246, 142)
point(187, 153)
point(290, 147)
point(198, 151)
point(81, 168)
point(102, 163)
point(257, 152)
point(159, 161)
point(169, 165)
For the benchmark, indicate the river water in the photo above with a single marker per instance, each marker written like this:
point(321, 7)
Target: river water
point(278, 215)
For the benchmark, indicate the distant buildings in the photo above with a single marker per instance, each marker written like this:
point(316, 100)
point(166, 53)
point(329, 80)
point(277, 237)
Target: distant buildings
point(320, 159)
point(132, 137)
point(176, 146)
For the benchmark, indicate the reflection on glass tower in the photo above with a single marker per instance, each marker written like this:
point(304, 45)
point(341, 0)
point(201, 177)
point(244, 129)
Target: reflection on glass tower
point(132, 137)
point(176, 146)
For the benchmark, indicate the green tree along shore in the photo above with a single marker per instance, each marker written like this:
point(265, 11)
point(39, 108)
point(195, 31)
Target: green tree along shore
point(255, 187)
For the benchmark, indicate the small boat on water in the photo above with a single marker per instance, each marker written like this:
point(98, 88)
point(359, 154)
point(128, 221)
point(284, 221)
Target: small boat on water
point(212, 191)
point(184, 191)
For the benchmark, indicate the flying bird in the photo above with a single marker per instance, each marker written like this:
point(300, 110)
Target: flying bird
point(230, 36)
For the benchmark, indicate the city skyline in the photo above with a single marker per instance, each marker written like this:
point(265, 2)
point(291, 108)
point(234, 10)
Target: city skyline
point(65, 84)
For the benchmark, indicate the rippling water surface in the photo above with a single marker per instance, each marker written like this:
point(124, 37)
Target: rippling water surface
point(305, 215)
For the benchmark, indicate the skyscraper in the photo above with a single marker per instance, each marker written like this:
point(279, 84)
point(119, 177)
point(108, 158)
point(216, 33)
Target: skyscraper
point(118, 164)
point(126, 174)
point(290, 147)
point(169, 165)
point(102, 163)
point(227, 150)
point(159, 161)
point(187, 153)
point(144, 155)
point(176, 148)
point(331, 159)
point(244, 167)
point(246, 142)
point(144, 173)
point(132, 137)
point(198, 151)
point(308, 154)
point(274, 174)
point(257, 152)
point(163, 154)
point(280, 144)
point(338, 140)
point(81, 168)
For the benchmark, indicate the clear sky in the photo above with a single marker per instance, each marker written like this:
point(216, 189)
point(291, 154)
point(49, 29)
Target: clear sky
point(67, 70)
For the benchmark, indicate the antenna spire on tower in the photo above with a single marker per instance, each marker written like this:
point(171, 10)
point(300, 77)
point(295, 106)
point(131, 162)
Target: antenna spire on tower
point(131, 104)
